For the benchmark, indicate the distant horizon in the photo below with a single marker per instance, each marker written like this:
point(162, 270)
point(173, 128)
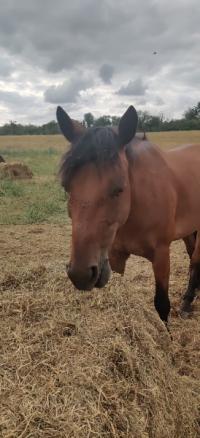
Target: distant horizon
point(146, 123)
point(81, 120)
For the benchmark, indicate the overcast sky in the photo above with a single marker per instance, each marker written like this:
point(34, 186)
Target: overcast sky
point(98, 56)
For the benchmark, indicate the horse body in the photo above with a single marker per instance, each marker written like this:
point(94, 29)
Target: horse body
point(165, 207)
point(164, 203)
point(133, 199)
point(151, 203)
point(185, 165)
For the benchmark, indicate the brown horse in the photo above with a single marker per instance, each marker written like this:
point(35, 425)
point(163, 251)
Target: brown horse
point(127, 196)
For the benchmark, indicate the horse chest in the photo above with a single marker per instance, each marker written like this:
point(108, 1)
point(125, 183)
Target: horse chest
point(136, 240)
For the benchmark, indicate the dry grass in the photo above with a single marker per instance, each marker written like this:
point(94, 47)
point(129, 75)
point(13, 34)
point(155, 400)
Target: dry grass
point(15, 171)
point(174, 138)
point(98, 364)
point(31, 142)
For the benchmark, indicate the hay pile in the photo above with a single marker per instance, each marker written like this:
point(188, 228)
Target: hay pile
point(15, 171)
point(87, 365)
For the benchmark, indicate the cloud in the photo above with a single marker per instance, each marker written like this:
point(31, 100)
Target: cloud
point(106, 73)
point(133, 88)
point(14, 98)
point(6, 67)
point(68, 91)
point(67, 35)
point(43, 42)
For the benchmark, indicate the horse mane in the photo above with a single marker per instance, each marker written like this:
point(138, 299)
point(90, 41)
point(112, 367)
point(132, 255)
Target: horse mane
point(99, 145)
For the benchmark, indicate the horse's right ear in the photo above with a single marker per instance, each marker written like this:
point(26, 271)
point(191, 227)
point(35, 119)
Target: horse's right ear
point(71, 129)
point(128, 126)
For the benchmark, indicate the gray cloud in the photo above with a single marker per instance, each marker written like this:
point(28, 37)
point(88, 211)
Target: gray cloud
point(158, 101)
point(14, 98)
point(66, 35)
point(133, 88)
point(106, 73)
point(22, 108)
point(44, 42)
point(6, 67)
point(68, 91)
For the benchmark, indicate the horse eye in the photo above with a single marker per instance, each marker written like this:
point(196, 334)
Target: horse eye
point(116, 192)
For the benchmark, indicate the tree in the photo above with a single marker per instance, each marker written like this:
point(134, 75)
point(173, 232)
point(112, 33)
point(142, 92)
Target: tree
point(193, 113)
point(88, 120)
point(115, 120)
point(143, 120)
point(148, 122)
point(103, 121)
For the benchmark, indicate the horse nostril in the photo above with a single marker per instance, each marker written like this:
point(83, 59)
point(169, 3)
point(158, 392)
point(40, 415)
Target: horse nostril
point(94, 273)
point(83, 279)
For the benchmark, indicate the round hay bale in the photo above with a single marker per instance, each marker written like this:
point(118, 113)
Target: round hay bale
point(15, 171)
point(2, 159)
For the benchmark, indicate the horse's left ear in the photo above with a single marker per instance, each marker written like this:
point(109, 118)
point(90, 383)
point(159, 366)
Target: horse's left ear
point(128, 126)
point(71, 129)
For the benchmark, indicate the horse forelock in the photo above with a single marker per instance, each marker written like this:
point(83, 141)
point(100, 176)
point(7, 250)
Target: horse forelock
point(99, 146)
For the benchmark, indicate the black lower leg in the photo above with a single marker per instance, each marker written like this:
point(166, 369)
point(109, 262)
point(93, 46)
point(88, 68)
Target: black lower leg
point(194, 283)
point(190, 243)
point(161, 302)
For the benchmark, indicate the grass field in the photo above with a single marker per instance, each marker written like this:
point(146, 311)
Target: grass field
point(41, 199)
point(99, 364)
point(38, 200)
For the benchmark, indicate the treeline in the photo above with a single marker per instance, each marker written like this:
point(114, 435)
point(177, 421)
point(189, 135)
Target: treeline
point(147, 123)
point(13, 128)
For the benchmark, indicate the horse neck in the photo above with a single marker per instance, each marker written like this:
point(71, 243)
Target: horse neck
point(147, 166)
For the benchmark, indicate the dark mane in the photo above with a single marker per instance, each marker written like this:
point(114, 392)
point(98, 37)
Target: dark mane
point(97, 145)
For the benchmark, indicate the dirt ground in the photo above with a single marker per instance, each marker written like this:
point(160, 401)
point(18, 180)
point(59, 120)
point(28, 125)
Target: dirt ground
point(39, 305)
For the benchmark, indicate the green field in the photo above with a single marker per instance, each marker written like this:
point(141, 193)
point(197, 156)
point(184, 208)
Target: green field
point(42, 200)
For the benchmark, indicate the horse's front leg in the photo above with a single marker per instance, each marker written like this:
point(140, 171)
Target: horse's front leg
point(161, 268)
point(194, 281)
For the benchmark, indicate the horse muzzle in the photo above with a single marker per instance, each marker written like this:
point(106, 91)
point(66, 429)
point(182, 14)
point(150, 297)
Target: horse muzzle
point(90, 277)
